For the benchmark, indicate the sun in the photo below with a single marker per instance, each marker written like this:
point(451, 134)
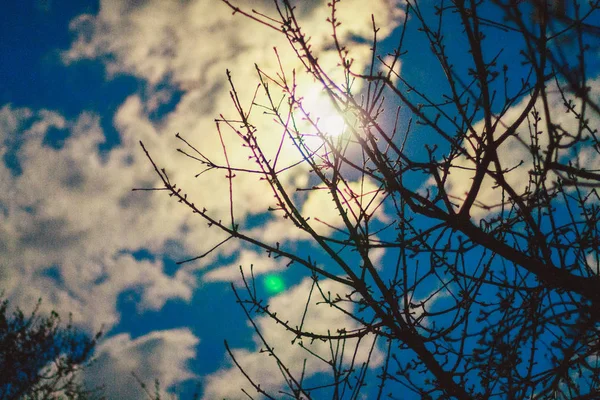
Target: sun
point(325, 118)
point(332, 124)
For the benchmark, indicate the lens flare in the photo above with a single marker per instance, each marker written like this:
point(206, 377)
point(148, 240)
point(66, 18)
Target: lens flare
point(274, 284)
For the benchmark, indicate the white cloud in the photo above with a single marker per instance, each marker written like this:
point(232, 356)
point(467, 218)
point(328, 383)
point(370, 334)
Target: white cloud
point(74, 211)
point(260, 264)
point(391, 65)
point(161, 355)
point(357, 198)
point(190, 42)
point(514, 153)
point(289, 306)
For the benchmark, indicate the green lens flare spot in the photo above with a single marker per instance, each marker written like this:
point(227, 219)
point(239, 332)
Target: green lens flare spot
point(274, 284)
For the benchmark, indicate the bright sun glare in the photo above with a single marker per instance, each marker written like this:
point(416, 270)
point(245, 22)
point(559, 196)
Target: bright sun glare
point(321, 110)
point(332, 125)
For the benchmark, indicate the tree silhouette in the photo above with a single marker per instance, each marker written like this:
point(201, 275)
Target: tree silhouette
point(40, 359)
point(481, 189)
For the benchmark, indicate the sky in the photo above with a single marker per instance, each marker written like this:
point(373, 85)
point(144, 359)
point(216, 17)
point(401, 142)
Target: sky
point(82, 83)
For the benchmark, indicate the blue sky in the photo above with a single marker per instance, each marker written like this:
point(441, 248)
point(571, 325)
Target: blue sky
point(82, 83)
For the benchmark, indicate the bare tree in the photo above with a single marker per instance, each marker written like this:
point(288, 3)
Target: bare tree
point(481, 190)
